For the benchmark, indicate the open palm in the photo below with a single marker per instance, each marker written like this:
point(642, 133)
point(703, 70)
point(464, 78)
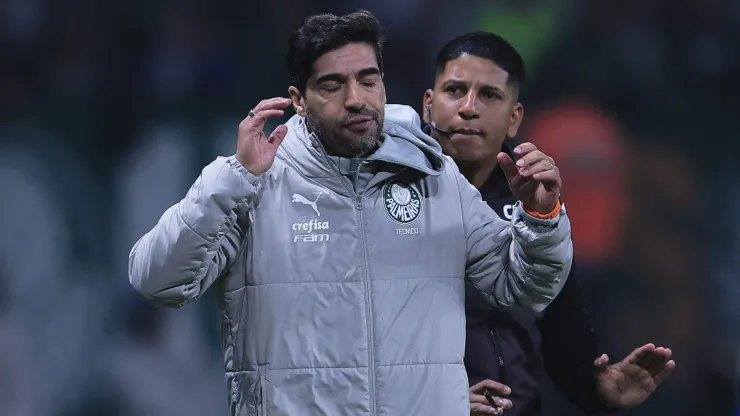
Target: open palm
point(630, 381)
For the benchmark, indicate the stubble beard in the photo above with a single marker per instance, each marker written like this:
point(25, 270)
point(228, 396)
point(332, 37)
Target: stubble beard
point(337, 144)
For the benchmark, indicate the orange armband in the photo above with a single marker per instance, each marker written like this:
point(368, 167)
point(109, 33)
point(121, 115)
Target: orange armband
point(550, 215)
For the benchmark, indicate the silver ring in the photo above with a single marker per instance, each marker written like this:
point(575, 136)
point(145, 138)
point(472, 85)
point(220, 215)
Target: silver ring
point(251, 113)
point(551, 165)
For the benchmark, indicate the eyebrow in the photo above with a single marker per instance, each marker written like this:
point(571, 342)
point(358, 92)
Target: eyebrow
point(335, 76)
point(483, 86)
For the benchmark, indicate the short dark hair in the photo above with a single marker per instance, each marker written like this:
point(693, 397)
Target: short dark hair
point(484, 45)
point(324, 33)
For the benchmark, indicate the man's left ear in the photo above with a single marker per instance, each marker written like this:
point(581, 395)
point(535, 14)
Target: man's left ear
point(385, 97)
point(517, 115)
point(426, 105)
point(299, 103)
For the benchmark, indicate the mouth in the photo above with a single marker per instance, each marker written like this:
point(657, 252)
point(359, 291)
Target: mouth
point(359, 123)
point(466, 132)
point(359, 120)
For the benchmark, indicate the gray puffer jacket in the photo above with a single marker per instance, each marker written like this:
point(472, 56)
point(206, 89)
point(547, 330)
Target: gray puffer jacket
point(340, 298)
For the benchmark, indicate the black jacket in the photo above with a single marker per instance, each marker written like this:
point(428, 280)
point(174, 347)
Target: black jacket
point(517, 347)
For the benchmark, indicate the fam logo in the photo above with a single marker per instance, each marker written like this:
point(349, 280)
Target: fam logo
point(402, 202)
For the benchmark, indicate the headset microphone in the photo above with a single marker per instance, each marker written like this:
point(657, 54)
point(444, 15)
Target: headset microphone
point(432, 124)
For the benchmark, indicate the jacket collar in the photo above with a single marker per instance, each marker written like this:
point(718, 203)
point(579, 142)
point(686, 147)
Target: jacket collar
point(404, 146)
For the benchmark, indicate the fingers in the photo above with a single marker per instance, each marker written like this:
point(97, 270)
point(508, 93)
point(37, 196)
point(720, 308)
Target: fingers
point(482, 409)
point(665, 372)
point(265, 110)
point(525, 148)
point(502, 403)
point(658, 360)
point(278, 135)
point(543, 171)
point(262, 115)
point(507, 165)
point(492, 405)
point(549, 177)
point(536, 165)
point(478, 398)
point(480, 405)
point(496, 402)
point(601, 363)
point(258, 121)
point(272, 104)
point(493, 386)
point(640, 355)
point(541, 165)
point(496, 387)
point(496, 405)
point(531, 158)
point(529, 155)
point(535, 162)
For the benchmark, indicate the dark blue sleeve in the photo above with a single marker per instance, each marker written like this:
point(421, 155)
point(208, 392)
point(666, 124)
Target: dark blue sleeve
point(569, 347)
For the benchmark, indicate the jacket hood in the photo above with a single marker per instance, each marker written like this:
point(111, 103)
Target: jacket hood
point(404, 124)
point(404, 143)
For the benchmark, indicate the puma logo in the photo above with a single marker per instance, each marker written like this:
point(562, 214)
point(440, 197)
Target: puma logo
point(305, 201)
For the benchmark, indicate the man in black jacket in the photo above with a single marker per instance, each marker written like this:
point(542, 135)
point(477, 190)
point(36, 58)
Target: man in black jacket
point(472, 109)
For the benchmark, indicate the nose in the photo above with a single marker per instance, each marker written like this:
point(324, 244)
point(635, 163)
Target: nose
point(467, 110)
point(352, 101)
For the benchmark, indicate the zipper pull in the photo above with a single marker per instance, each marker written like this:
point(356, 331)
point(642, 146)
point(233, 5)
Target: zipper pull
point(358, 204)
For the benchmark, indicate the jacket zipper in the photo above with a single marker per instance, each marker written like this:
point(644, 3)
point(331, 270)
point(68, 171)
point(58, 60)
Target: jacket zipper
point(368, 301)
point(499, 355)
point(366, 278)
point(263, 392)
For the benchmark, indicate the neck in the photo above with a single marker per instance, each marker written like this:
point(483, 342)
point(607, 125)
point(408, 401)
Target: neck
point(477, 173)
point(348, 154)
point(341, 147)
point(349, 150)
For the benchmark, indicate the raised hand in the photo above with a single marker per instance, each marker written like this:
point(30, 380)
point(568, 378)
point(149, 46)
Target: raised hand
point(254, 150)
point(534, 179)
point(630, 381)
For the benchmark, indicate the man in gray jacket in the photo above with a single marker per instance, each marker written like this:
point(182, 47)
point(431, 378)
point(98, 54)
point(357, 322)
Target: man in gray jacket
point(338, 246)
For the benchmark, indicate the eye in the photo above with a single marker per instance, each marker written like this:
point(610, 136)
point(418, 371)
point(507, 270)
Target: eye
point(491, 95)
point(369, 81)
point(331, 88)
point(455, 91)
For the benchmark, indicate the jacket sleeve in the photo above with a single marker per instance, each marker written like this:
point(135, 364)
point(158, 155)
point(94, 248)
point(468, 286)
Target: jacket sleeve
point(525, 261)
point(569, 347)
point(197, 239)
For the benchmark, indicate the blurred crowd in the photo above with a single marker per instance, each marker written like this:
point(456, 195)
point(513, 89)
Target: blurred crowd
point(108, 111)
